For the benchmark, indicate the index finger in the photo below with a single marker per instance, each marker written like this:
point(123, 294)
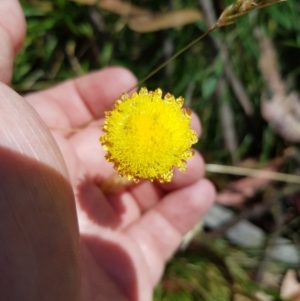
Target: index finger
point(77, 102)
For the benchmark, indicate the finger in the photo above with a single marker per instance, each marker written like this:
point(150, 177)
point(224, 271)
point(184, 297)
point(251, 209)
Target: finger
point(12, 33)
point(22, 130)
point(184, 208)
point(195, 171)
point(147, 194)
point(90, 152)
point(196, 124)
point(37, 212)
point(77, 102)
point(159, 232)
point(195, 165)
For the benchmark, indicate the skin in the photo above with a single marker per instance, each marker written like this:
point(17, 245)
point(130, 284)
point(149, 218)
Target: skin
point(62, 237)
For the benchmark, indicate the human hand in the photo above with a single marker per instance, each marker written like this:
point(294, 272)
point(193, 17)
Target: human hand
point(124, 238)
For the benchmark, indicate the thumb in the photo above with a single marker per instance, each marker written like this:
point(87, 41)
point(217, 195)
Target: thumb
point(12, 33)
point(38, 225)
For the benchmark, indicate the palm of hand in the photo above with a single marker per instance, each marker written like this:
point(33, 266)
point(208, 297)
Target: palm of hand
point(126, 237)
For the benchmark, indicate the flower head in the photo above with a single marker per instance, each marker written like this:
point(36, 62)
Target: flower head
point(145, 136)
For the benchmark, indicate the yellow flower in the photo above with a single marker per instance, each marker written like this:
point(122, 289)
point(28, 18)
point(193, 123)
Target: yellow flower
point(145, 136)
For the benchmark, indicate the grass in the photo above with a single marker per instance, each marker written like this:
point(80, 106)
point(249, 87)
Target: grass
point(64, 41)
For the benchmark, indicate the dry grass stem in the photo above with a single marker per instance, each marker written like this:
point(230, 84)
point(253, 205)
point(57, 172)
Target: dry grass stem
point(240, 8)
point(249, 172)
point(232, 12)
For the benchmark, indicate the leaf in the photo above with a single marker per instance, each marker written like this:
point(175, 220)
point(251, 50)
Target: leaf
point(208, 86)
point(143, 20)
point(281, 109)
point(153, 22)
point(115, 6)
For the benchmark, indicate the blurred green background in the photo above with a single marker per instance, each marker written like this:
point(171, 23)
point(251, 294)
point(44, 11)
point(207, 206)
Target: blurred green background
point(67, 39)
